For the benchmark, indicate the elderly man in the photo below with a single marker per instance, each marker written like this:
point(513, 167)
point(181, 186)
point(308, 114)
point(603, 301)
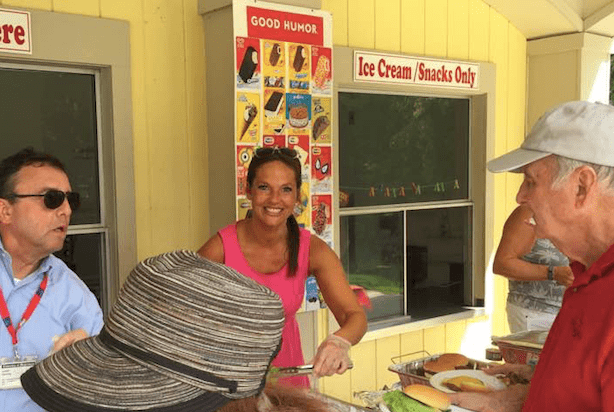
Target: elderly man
point(568, 165)
point(43, 304)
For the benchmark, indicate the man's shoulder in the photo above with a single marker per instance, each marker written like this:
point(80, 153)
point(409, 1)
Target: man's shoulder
point(59, 272)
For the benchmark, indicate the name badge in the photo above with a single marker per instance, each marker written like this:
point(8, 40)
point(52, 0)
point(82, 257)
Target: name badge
point(12, 369)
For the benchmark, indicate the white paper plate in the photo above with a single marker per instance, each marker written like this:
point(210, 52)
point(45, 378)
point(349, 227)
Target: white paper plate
point(489, 380)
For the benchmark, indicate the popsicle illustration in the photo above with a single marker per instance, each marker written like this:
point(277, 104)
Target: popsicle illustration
point(299, 58)
point(249, 64)
point(249, 114)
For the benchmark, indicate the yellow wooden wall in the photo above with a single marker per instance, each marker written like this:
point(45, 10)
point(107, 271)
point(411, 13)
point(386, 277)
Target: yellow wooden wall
point(168, 101)
point(450, 29)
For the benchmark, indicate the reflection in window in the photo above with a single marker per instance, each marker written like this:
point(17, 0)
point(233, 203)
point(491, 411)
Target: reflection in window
point(406, 215)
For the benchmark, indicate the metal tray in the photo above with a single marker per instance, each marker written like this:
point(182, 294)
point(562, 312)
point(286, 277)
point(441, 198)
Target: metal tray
point(412, 372)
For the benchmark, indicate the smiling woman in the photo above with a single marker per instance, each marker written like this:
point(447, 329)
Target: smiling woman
point(270, 248)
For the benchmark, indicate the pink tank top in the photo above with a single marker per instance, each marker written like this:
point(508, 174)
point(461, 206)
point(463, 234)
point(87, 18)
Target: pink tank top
point(291, 290)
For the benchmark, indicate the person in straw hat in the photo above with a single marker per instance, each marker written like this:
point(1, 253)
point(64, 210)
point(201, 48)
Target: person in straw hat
point(568, 165)
point(185, 334)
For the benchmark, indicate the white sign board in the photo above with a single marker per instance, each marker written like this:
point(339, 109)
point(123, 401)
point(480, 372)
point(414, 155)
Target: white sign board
point(15, 34)
point(399, 69)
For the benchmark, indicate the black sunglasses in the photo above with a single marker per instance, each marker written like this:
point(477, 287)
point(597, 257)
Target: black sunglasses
point(54, 198)
point(280, 151)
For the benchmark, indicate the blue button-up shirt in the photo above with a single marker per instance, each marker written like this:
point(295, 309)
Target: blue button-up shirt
point(66, 305)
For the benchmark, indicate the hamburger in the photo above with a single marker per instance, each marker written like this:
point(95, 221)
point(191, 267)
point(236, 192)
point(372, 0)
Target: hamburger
point(417, 398)
point(445, 362)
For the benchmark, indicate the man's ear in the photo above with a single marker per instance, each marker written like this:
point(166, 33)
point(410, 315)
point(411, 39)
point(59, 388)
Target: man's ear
point(6, 211)
point(585, 182)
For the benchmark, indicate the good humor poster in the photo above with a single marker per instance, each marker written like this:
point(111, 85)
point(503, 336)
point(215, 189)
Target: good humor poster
point(283, 98)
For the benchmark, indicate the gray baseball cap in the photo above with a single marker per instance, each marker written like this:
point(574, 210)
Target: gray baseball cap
point(578, 130)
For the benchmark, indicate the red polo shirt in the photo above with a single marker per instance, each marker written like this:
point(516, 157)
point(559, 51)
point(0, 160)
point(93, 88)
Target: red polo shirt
point(575, 371)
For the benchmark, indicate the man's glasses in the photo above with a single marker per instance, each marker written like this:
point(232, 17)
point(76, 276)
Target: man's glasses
point(280, 151)
point(54, 198)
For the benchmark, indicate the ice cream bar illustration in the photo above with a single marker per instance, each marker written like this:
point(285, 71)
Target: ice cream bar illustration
point(319, 126)
point(249, 64)
point(322, 71)
point(272, 106)
point(299, 58)
point(275, 54)
point(248, 117)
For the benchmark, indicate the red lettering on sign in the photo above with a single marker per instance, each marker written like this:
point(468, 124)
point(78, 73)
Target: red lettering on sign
point(18, 33)
point(285, 26)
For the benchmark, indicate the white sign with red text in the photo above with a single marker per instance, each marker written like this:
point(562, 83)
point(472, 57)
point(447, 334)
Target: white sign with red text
point(15, 31)
point(399, 69)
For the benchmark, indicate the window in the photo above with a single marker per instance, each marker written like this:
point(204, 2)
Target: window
point(406, 218)
point(56, 111)
point(71, 97)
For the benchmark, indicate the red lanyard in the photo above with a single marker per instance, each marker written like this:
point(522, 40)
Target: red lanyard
point(6, 316)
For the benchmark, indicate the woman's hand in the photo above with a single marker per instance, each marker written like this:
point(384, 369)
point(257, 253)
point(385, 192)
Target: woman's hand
point(60, 342)
point(563, 275)
point(333, 356)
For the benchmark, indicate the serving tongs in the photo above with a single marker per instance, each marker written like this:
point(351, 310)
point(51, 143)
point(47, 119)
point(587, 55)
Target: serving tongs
point(294, 371)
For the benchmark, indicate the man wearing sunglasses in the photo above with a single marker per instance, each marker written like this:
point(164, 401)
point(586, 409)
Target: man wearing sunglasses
point(44, 305)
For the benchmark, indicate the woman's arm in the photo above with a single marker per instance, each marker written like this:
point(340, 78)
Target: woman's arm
point(516, 241)
point(213, 249)
point(326, 267)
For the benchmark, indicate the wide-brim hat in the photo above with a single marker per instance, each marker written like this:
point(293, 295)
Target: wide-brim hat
point(186, 334)
point(577, 130)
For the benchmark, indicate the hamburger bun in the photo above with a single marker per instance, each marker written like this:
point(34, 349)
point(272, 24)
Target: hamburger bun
point(445, 362)
point(428, 396)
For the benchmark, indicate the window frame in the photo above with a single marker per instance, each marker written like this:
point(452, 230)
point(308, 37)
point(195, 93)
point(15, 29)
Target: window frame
point(55, 44)
point(481, 141)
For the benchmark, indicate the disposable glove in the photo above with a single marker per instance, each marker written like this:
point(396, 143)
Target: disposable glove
point(333, 356)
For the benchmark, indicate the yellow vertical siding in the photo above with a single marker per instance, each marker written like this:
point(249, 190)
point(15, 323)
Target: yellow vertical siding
point(412, 27)
point(364, 374)
point(435, 339)
point(479, 30)
point(436, 28)
point(165, 76)
point(30, 4)
point(412, 347)
point(388, 25)
point(83, 7)
point(455, 331)
point(195, 124)
point(339, 10)
point(499, 54)
point(386, 348)
point(458, 29)
point(361, 23)
point(132, 11)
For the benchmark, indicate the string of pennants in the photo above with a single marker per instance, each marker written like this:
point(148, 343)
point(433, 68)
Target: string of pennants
point(400, 191)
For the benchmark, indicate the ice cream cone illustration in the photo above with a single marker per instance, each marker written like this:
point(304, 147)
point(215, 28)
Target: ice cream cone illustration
point(249, 114)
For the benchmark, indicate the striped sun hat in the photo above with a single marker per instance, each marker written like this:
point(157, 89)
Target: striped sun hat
point(186, 334)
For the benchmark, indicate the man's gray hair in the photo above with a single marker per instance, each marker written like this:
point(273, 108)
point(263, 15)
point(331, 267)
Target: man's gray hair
point(605, 174)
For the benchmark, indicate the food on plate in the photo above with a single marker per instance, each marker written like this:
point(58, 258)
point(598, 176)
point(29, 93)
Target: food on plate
point(445, 362)
point(464, 383)
point(417, 398)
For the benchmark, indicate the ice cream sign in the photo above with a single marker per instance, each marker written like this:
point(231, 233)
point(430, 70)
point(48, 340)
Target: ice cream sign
point(15, 31)
point(399, 69)
point(286, 26)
